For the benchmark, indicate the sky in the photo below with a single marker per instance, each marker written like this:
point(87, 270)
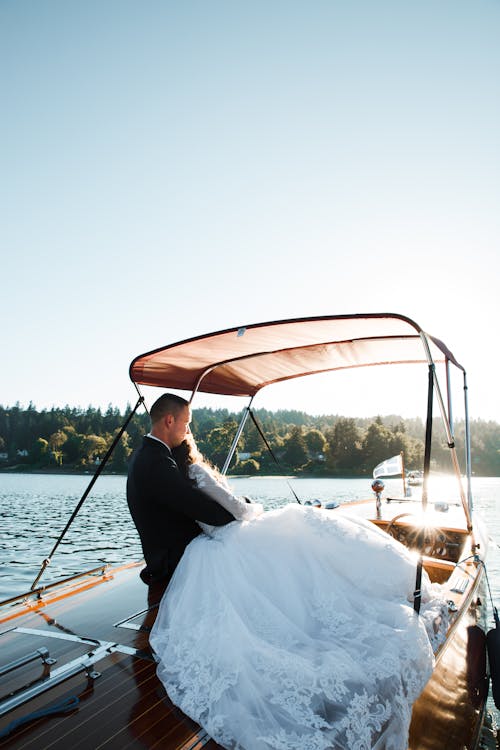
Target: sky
point(168, 169)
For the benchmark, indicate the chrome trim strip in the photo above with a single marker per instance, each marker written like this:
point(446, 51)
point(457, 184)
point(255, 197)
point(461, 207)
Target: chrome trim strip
point(120, 623)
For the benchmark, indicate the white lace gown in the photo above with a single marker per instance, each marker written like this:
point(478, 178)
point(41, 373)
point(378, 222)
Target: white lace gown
point(294, 630)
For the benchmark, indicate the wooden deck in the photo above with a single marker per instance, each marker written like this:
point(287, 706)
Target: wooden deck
point(99, 639)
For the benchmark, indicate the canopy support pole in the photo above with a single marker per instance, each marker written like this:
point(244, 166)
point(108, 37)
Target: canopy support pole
point(449, 437)
point(101, 466)
point(468, 464)
point(428, 437)
point(402, 454)
point(448, 394)
point(417, 594)
point(236, 438)
point(266, 443)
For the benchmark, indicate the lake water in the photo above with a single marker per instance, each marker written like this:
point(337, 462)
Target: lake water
point(34, 509)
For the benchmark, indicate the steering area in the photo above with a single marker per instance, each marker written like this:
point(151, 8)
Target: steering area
point(428, 540)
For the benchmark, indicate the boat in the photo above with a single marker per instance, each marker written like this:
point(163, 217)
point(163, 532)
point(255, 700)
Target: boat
point(415, 478)
point(76, 668)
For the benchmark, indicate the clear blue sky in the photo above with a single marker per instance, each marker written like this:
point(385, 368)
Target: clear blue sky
point(172, 168)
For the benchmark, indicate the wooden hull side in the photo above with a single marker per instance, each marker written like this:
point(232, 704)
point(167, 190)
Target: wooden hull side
point(450, 711)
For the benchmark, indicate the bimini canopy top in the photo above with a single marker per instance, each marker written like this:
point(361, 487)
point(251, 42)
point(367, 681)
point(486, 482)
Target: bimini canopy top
point(241, 361)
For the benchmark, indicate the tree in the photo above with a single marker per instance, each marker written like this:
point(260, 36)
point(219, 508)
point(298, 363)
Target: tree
point(295, 454)
point(315, 442)
point(248, 467)
point(121, 454)
point(353, 446)
point(253, 441)
point(112, 419)
point(57, 440)
point(343, 453)
point(138, 426)
point(377, 445)
point(73, 446)
point(93, 448)
point(218, 442)
point(39, 453)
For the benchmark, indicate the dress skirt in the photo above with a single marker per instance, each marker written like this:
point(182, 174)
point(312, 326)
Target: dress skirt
point(296, 631)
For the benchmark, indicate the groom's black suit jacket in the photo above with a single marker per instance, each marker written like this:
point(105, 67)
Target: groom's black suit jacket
point(165, 508)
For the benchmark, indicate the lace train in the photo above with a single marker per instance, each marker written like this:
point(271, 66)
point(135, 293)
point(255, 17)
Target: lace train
point(294, 631)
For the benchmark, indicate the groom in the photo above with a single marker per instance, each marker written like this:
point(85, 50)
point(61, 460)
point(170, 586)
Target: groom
point(163, 505)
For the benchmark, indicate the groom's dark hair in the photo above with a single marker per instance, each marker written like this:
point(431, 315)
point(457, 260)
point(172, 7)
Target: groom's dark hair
point(168, 403)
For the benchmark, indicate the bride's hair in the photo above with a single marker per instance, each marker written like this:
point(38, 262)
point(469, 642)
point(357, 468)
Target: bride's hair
point(187, 453)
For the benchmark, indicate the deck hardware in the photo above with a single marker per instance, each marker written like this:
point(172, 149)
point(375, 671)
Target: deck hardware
point(378, 488)
point(59, 675)
point(331, 505)
point(441, 507)
point(458, 585)
point(40, 653)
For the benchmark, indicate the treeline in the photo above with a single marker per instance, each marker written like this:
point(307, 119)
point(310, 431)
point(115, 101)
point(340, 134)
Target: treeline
point(77, 439)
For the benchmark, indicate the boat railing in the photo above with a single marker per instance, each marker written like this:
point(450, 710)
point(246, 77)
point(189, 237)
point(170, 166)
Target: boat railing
point(38, 592)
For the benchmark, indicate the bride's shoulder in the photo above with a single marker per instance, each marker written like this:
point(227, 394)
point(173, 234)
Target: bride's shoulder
point(199, 472)
point(196, 470)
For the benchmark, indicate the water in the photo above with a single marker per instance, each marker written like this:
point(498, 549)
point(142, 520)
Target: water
point(34, 509)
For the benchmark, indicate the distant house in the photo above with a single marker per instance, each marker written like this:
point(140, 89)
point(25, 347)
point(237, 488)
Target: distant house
point(4, 456)
point(23, 453)
point(244, 456)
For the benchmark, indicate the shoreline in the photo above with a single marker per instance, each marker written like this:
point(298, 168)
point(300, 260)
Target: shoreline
point(18, 469)
point(80, 472)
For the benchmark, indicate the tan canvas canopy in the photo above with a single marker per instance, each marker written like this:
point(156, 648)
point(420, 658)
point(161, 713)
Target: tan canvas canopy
point(241, 361)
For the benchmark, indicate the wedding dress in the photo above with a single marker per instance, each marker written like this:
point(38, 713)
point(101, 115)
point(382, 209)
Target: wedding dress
point(295, 631)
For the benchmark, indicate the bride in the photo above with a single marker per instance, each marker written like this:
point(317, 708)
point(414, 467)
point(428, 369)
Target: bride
point(294, 628)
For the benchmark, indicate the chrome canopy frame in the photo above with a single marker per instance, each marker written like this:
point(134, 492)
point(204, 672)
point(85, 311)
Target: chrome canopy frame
point(200, 380)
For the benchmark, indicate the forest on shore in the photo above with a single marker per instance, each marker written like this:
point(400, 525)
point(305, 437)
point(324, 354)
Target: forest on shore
point(75, 439)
